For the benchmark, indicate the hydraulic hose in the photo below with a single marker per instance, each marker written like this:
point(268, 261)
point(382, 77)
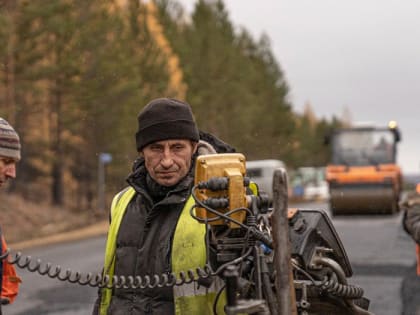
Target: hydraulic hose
point(348, 292)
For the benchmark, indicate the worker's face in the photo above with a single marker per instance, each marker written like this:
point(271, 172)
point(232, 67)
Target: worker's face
point(7, 169)
point(168, 161)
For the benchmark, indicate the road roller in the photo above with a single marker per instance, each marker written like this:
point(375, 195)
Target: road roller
point(363, 176)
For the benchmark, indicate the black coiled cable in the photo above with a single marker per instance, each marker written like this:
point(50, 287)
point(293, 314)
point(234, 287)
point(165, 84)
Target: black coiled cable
point(341, 290)
point(100, 281)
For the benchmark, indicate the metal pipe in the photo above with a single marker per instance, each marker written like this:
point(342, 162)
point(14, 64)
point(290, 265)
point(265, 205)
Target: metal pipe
point(335, 266)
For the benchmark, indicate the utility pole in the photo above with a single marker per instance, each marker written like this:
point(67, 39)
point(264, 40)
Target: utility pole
point(103, 159)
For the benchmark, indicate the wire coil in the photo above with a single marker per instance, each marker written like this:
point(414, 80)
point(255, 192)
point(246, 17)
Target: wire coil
point(341, 290)
point(101, 281)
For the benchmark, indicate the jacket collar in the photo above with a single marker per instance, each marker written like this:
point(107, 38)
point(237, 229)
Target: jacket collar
point(138, 180)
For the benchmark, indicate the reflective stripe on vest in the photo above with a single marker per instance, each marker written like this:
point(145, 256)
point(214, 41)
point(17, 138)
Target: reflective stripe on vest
point(188, 252)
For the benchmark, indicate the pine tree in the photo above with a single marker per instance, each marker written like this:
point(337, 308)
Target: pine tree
point(235, 86)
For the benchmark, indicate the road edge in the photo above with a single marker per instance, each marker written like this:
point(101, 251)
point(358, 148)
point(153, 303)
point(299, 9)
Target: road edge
point(96, 229)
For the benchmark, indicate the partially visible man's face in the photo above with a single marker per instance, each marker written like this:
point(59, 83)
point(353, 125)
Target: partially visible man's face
point(7, 169)
point(168, 161)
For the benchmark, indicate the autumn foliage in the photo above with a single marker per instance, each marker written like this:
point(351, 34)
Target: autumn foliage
point(75, 73)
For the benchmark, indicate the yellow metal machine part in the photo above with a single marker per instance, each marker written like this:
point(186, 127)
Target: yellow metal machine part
point(231, 166)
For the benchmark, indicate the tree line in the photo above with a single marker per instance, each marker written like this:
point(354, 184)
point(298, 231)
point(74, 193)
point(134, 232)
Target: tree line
point(74, 74)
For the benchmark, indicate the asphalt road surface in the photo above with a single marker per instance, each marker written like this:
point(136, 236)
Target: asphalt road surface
point(381, 254)
point(41, 295)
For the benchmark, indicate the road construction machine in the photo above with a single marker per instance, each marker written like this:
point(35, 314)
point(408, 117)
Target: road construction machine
point(275, 260)
point(363, 175)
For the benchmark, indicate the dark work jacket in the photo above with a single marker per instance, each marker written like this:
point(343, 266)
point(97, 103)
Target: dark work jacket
point(145, 238)
point(144, 246)
point(411, 218)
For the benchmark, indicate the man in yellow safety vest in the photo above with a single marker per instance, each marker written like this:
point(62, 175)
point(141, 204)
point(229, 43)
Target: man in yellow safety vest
point(151, 230)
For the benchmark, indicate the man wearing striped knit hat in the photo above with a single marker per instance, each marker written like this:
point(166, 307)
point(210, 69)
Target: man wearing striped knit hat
point(9, 151)
point(9, 156)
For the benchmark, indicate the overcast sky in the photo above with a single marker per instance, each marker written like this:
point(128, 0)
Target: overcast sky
point(359, 54)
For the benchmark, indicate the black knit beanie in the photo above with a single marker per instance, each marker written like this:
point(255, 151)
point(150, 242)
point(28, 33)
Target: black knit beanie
point(165, 118)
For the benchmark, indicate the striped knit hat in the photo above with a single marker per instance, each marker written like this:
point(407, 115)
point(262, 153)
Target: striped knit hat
point(9, 141)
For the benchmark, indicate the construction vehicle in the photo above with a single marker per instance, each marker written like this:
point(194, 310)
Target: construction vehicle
point(363, 175)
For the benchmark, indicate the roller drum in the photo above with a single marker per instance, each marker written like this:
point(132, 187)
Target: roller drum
point(363, 198)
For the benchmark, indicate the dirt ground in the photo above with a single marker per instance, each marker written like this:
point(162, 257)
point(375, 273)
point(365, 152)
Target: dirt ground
point(22, 220)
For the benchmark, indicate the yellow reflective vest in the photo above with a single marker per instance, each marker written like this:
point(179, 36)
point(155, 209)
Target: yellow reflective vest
point(188, 252)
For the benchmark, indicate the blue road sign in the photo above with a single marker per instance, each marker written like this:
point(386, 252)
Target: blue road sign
point(105, 158)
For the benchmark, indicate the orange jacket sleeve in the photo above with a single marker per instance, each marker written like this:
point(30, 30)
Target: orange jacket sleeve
point(11, 280)
point(418, 259)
